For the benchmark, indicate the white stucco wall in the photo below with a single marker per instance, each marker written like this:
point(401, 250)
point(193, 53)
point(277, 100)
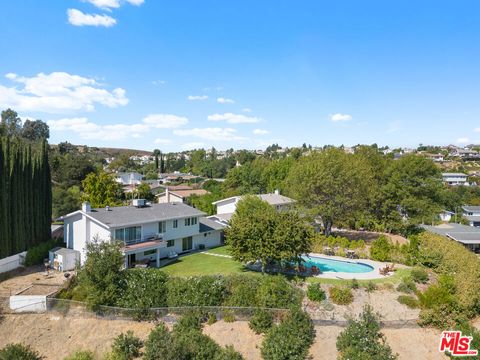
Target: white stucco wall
point(12, 262)
point(28, 303)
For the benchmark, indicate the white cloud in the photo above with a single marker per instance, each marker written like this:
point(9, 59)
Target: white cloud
point(112, 4)
point(165, 121)
point(247, 110)
point(233, 118)
point(340, 117)
point(163, 141)
point(197, 97)
point(463, 140)
point(58, 92)
point(78, 18)
point(215, 134)
point(222, 100)
point(261, 132)
point(477, 129)
point(192, 145)
point(159, 82)
point(89, 130)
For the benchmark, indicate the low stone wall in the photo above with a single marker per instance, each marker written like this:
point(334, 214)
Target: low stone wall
point(12, 262)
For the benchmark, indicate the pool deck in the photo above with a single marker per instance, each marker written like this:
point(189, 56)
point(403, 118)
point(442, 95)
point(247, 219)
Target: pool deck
point(374, 274)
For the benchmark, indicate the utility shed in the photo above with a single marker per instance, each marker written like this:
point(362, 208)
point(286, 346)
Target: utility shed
point(63, 259)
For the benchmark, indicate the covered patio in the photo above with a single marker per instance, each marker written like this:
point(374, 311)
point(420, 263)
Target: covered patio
point(135, 254)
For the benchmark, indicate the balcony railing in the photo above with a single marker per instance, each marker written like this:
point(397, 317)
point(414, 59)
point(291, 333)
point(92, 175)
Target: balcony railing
point(150, 237)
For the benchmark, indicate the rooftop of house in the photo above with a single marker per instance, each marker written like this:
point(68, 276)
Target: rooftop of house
point(272, 199)
point(461, 233)
point(130, 215)
point(469, 208)
point(186, 193)
point(207, 224)
point(455, 174)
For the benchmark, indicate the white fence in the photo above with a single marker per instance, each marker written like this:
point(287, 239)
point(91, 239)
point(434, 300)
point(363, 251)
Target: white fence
point(12, 262)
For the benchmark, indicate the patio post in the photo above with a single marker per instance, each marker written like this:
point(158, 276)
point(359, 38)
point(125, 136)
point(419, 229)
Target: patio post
point(158, 257)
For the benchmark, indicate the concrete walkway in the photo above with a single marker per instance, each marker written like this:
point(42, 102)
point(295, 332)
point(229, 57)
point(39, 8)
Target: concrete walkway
point(212, 254)
point(374, 274)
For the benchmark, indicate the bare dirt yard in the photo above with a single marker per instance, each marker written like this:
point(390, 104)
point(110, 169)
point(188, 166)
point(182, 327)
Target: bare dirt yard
point(23, 278)
point(57, 336)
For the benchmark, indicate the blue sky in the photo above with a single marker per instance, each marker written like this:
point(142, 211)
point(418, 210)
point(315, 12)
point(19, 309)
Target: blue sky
point(177, 75)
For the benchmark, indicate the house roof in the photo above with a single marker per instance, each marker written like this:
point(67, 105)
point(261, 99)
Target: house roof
point(272, 199)
point(207, 224)
point(454, 174)
point(186, 193)
point(131, 215)
point(461, 233)
point(471, 208)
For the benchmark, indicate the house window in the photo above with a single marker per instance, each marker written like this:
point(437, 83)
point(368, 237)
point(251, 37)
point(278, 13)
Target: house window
point(191, 221)
point(129, 234)
point(149, 252)
point(162, 226)
point(170, 243)
point(175, 224)
point(187, 222)
point(194, 221)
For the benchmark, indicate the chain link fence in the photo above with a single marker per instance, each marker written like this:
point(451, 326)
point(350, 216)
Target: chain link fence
point(76, 309)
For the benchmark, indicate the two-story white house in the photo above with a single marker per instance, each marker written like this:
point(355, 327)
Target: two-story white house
point(149, 232)
point(226, 207)
point(128, 178)
point(472, 214)
point(455, 178)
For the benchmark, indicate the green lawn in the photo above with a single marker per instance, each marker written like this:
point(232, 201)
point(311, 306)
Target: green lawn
point(203, 264)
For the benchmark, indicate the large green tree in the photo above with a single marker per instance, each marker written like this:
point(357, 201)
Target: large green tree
point(258, 233)
point(331, 185)
point(101, 189)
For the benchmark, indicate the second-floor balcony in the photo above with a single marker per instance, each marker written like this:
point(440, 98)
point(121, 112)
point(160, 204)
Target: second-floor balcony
point(145, 238)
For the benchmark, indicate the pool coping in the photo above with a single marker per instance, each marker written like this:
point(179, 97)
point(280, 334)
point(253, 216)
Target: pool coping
point(371, 275)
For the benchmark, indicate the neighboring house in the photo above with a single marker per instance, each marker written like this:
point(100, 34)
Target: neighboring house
point(472, 214)
point(128, 178)
point(446, 215)
point(226, 207)
point(435, 157)
point(149, 232)
point(178, 195)
point(468, 236)
point(455, 178)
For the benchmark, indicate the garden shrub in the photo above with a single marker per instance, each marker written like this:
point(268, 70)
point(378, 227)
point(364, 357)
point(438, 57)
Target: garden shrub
point(449, 257)
point(340, 295)
point(143, 289)
point(362, 339)
point(126, 346)
point(316, 293)
point(212, 318)
point(291, 339)
point(354, 284)
point(419, 275)
point(19, 352)
point(409, 301)
point(160, 345)
point(380, 249)
point(407, 286)
point(228, 316)
point(276, 292)
point(36, 254)
point(242, 290)
point(192, 319)
point(196, 291)
point(370, 286)
point(228, 353)
point(261, 321)
point(81, 355)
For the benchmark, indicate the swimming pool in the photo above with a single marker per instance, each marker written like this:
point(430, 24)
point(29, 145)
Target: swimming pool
point(330, 265)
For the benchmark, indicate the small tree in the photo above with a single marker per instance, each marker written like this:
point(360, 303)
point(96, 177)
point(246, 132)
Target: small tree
point(126, 346)
point(19, 352)
point(362, 339)
point(258, 233)
point(381, 249)
point(101, 274)
point(101, 189)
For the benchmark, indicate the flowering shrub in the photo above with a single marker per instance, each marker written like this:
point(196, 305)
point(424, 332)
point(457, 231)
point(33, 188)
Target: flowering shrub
point(340, 295)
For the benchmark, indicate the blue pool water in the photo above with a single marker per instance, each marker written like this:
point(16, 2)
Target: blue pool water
point(330, 265)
